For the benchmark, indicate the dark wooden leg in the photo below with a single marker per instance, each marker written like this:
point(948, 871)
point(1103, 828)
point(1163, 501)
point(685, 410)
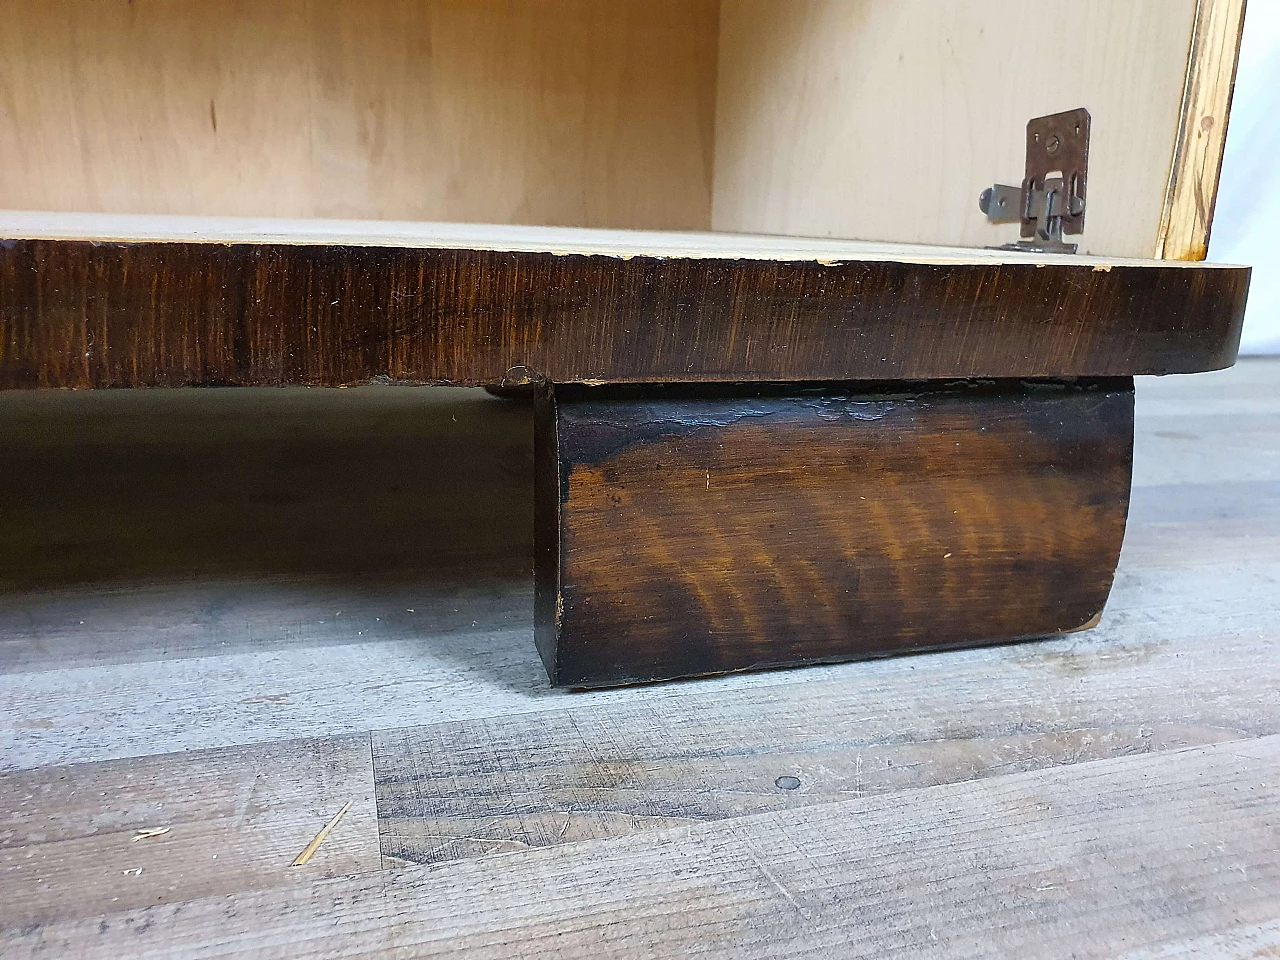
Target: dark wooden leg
point(683, 531)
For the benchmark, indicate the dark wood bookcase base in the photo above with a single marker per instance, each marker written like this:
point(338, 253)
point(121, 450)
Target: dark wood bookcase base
point(682, 530)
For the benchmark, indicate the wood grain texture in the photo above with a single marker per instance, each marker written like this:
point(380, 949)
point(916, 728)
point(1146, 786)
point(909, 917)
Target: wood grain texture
point(883, 120)
point(1202, 131)
point(1126, 854)
point(199, 486)
point(619, 113)
point(692, 533)
point(452, 791)
point(585, 112)
point(1188, 637)
point(107, 314)
point(233, 820)
point(1062, 860)
point(108, 669)
point(111, 228)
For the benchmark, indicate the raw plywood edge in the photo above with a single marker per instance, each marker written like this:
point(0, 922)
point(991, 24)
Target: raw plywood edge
point(513, 238)
point(885, 121)
point(1202, 132)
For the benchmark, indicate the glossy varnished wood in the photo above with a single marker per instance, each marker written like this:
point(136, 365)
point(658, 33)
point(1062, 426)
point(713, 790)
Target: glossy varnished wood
point(76, 313)
point(690, 532)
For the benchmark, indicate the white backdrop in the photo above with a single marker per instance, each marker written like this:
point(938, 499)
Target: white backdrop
point(1246, 224)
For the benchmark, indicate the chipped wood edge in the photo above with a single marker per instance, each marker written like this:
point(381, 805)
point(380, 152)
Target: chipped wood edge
point(1192, 187)
point(116, 228)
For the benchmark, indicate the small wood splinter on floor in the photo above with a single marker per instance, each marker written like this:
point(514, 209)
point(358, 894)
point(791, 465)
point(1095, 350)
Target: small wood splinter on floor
point(150, 832)
point(314, 845)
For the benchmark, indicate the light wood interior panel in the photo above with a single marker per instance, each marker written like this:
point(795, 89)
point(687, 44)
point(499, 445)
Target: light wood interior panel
point(860, 119)
point(884, 120)
point(574, 112)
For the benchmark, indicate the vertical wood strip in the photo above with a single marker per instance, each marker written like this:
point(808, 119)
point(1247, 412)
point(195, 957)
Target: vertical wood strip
point(1202, 132)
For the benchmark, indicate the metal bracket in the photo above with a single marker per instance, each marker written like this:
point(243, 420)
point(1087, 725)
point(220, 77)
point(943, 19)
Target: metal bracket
point(1051, 200)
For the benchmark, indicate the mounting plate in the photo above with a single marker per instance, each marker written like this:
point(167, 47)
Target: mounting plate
point(1051, 200)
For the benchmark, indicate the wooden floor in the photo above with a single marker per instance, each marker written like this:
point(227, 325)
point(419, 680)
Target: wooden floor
point(210, 645)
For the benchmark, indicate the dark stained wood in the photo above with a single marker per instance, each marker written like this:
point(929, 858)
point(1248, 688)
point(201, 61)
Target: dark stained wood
point(681, 532)
point(114, 314)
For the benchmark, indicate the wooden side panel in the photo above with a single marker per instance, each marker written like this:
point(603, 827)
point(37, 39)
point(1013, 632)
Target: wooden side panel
point(84, 314)
point(577, 112)
point(1202, 134)
point(881, 120)
point(97, 839)
point(702, 534)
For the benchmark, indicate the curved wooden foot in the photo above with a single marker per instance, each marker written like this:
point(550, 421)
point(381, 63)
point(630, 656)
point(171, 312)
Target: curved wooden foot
point(682, 531)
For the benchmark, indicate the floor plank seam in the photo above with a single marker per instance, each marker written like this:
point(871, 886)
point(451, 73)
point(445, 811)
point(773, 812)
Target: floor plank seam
point(377, 806)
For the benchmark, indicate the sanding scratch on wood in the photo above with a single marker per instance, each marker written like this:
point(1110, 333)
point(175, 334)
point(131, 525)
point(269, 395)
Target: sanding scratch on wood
point(435, 852)
point(768, 875)
point(314, 845)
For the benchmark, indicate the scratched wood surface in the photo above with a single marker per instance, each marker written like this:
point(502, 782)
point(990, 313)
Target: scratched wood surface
point(682, 533)
point(1173, 850)
point(116, 836)
point(110, 313)
point(1108, 793)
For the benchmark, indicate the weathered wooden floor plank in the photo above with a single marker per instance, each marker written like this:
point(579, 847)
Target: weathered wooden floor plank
point(1199, 594)
point(1128, 854)
point(145, 626)
point(233, 819)
point(1169, 667)
point(833, 524)
point(195, 660)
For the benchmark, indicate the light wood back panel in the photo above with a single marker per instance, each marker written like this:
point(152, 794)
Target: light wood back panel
point(884, 120)
point(573, 112)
